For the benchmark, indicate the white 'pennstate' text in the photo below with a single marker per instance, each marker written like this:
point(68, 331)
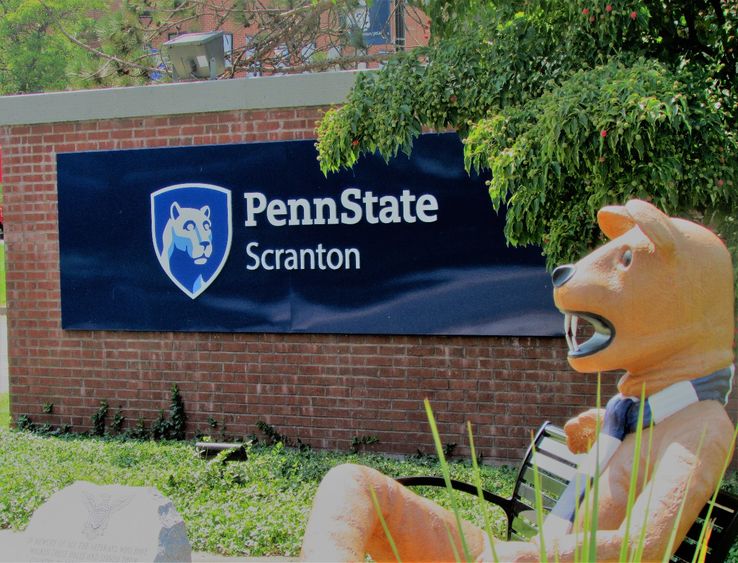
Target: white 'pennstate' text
point(353, 207)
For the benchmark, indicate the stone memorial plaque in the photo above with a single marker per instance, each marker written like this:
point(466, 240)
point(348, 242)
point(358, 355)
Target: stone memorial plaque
point(87, 522)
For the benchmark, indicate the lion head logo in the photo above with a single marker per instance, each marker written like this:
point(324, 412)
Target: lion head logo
point(191, 229)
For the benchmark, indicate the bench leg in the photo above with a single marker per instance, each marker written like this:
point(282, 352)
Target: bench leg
point(344, 524)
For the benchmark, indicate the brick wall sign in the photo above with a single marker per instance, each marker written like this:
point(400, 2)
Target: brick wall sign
point(252, 237)
point(326, 389)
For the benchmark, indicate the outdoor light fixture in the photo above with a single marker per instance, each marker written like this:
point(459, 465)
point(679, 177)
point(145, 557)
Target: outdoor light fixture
point(196, 55)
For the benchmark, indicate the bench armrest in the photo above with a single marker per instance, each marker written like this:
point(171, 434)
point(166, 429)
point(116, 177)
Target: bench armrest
point(427, 481)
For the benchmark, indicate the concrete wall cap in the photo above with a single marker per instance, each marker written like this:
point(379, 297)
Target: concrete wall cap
point(288, 91)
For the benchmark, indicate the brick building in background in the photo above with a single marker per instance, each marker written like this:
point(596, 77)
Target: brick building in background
point(326, 389)
point(384, 27)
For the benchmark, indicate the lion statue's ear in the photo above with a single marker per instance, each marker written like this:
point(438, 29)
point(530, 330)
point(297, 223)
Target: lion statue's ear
point(174, 211)
point(655, 224)
point(614, 220)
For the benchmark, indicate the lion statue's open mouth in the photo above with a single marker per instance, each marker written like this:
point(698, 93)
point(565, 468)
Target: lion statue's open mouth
point(602, 333)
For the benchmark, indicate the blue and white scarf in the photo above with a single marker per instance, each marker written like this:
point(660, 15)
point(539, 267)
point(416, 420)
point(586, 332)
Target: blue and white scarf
point(621, 418)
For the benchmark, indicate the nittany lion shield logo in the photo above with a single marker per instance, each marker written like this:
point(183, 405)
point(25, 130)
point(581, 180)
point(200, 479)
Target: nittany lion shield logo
point(191, 230)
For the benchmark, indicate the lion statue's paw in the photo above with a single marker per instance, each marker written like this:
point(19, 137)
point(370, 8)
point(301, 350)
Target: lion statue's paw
point(581, 431)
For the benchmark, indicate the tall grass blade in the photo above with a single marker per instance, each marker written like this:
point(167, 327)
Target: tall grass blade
point(704, 535)
point(539, 505)
point(386, 529)
point(450, 537)
point(579, 546)
point(633, 475)
point(446, 477)
point(590, 553)
point(577, 539)
point(701, 553)
point(480, 494)
point(589, 536)
point(637, 555)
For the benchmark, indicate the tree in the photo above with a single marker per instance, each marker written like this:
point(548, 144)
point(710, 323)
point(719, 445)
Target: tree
point(56, 44)
point(286, 35)
point(569, 104)
point(34, 55)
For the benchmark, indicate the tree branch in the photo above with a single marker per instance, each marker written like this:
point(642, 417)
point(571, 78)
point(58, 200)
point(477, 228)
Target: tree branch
point(102, 54)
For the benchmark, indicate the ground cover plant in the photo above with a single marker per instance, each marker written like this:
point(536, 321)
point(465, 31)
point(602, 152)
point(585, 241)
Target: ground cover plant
point(255, 507)
point(4, 410)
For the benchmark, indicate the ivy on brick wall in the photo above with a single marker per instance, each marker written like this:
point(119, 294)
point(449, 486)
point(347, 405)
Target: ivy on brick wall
point(169, 426)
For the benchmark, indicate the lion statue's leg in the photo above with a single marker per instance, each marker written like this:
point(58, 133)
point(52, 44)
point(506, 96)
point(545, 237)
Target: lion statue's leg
point(344, 524)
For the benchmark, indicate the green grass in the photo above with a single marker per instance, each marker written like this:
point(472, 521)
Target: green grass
point(4, 410)
point(256, 507)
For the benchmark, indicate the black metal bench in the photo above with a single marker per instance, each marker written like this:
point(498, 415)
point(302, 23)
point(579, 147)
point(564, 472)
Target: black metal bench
point(556, 467)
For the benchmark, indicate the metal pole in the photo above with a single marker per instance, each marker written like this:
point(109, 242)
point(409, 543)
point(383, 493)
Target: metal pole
point(400, 25)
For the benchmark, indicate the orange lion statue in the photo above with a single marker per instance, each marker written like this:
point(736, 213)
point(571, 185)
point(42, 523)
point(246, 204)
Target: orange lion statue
point(659, 299)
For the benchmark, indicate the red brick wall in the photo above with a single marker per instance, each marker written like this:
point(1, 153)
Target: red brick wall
point(324, 389)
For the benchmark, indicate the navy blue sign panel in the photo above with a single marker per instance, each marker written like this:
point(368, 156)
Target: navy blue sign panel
point(253, 238)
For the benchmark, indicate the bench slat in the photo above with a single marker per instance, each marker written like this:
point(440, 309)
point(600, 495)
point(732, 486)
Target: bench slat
point(685, 551)
point(554, 467)
point(527, 495)
point(722, 515)
point(560, 450)
point(550, 484)
point(524, 525)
